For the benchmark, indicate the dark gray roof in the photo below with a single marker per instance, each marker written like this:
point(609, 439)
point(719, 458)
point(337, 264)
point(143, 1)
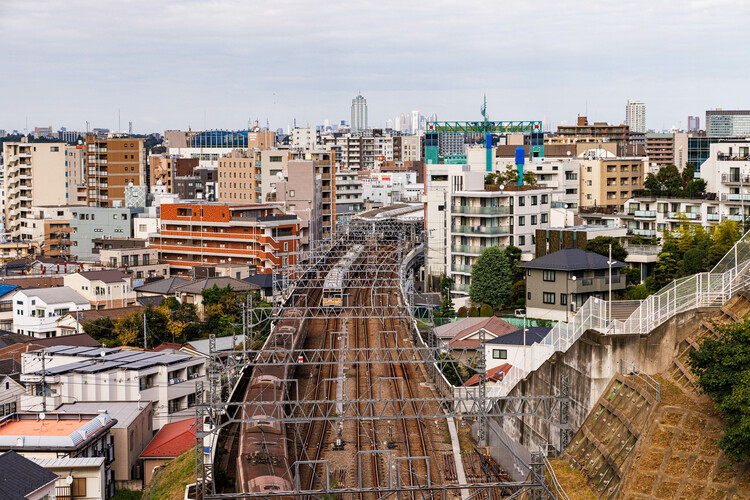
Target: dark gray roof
point(21, 476)
point(107, 275)
point(10, 338)
point(262, 280)
point(164, 287)
point(533, 334)
point(151, 300)
point(198, 286)
point(571, 259)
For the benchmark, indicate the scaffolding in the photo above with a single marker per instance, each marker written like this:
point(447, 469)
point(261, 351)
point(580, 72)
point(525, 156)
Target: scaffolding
point(382, 271)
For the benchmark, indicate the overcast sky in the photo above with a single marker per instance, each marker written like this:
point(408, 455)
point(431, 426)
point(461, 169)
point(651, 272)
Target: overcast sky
point(169, 64)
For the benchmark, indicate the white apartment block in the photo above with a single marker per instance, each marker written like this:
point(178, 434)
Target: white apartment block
point(635, 115)
point(563, 175)
point(32, 223)
point(36, 311)
point(348, 194)
point(34, 175)
point(305, 138)
point(387, 188)
point(81, 374)
point(106, 289)
point(462, 219)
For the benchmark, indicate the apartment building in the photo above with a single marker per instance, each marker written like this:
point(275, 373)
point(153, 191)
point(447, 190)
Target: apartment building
point(90, 223)
point(305, 138)
point(34, 174)
point(608, 181)
point(407, 148)
point(463, 217)
point(301, 193)
point(107, 289)
point(112, 163)
point(325, 165)
point(597, 131)
point(138, 263)
point(386, 188)
point(666, 149)
point(239, 178)
point(75, 168)
point(164, 168)
point(349, 200)
point(727, 123)
point(79, 374)
point(191, 234)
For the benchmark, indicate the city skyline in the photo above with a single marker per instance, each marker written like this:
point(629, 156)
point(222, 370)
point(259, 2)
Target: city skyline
point(175, 68)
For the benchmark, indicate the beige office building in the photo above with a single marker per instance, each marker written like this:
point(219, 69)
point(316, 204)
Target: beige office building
point(610, 182)
point(34, 175)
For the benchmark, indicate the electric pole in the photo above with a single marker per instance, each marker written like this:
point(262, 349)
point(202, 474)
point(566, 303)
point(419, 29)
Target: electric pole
point(144, 332)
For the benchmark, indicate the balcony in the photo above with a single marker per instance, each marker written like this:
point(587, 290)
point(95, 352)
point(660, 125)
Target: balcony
point(460, 268)
point(470, 249)
point(481, 230)
point(730, 157)
point(462, 209)
point(735, 179)
point(647, 233)
point(734, 217)
point(646, 214)
point(713, 217)
point(689, 215)
point(735, 197)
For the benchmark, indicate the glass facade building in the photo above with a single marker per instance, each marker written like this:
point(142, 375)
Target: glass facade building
point(729, 123)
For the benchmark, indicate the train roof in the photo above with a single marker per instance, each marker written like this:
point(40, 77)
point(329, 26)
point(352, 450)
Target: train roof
point(335, 278)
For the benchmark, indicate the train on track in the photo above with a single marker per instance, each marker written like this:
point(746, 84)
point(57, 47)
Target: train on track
point(336, 280)
point(263, 462)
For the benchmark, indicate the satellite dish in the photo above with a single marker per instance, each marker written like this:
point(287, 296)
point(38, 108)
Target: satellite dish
point(138, 397)
point(42, 416)
point(69, 480)
point(102, 354)
point(574, 278)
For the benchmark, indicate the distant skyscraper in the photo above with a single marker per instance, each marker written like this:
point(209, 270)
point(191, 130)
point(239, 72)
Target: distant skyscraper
point(416, 120)
point(359, 113)
point(694, 123)
point(727, 123)
point(389, 124)
point(635, 115)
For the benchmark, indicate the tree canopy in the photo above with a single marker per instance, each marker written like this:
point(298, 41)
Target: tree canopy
point(491, 278)
point(509, 177)
point(669, 181)
point(600, 245)
point(722, 367)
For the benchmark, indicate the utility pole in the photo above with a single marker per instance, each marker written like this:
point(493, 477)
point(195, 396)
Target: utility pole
point(609, 298)
point(144, 332)
point(77, 323)
point(44, 381)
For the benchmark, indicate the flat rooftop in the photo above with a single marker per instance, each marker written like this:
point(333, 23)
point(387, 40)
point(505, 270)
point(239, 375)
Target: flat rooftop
point(27, 431)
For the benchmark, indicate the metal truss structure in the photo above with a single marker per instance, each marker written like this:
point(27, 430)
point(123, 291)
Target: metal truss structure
point(391, 246)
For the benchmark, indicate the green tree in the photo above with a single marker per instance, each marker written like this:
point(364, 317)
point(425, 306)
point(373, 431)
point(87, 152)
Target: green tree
point(485, 311)
point(722, 366)
point(638, 292)
point(600, 245)
point(101, 329)
point(473, 312)
point(664, 272)
point(491, 278)
point(632, 276)
point(461, 312)
point(726, 235)
point(446, 307)
point(518, 294)
point(454, 373)
point(693, 261)
point(514, 258)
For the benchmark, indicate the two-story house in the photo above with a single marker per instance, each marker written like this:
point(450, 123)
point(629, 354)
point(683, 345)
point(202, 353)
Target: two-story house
point(561, 282)
point(37, 310)
point(106, 289)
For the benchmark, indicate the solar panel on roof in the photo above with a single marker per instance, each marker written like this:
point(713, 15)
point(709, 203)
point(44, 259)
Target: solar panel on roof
point(99, 367)
point(57, 348)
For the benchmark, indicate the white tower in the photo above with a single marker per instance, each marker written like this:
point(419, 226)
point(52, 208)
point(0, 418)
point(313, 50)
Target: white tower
point(359, 113)
point(635, 115)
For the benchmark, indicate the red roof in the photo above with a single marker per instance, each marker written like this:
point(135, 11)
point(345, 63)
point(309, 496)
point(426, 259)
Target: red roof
point(167, 345)
point(493, 375)
point(171, 440)
point(493, 325)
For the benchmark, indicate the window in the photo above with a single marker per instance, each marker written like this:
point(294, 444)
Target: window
point(521, 220)
point(544, 218)
point(545, 199)
point(499, 354)
point(522, 240)
point(291, 193)
point(548, 298)
point(78, 488)
point(274, 159)
point(533, 220)
point(528, 295)
point(563, 299)
point(521, 201)
point(548, 275)
point(533, 200)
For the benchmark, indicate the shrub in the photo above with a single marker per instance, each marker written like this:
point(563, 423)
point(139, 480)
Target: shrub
point(461, 312)
point(473, 312)
point(486, 311)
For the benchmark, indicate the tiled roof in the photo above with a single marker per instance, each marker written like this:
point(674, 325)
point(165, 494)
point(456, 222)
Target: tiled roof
point(21, 476)
point(219, 281)
point(94, 314)
point(171, 440)
point(166, 286)
point(571, 259)
point(107, 275)
point(55, 295)
point(493, 375)
point(77, 340)
point(533, 334)
point(493, 325)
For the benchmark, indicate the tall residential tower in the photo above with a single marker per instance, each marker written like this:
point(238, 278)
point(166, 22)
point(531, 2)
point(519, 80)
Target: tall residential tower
point(635, 115)
point(359, 113)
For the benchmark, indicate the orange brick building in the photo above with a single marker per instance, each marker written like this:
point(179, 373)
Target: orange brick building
point(112, 163)
point(216, 233)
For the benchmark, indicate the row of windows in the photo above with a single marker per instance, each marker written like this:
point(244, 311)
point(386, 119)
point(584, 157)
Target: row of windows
point(522, 219)
point(549, 298)
point(534, 199)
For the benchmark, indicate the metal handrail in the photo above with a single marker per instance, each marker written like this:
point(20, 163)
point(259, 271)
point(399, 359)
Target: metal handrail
point(628, 369)
point(549, 473)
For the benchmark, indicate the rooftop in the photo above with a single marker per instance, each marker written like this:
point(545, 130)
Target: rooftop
point(493, 375)
point(21, 476)
point(57, 431)
point(124, 412)
point(107, 275)
point(493, 326)
point(171, 440)
point(55, 295)
point(198, 286)
point(571, 259)
point(166, 286)
point(95, 360)
point(533, 335)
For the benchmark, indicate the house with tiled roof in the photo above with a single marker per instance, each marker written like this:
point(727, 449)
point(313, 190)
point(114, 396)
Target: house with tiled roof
point(73, 322)
point(514, 347)
point(36, 311)
point(22, 479)
point(494, 375)
point(106, 289)
point(468, 333)
point(168, 443)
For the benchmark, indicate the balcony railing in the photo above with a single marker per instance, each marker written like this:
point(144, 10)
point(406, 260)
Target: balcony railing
point(471, 249)
point(460, 268)
point(461, 209)
point(647, 214)
point(689, 215)
point(735, 179)
point(481, 230)
point(735, 197)
point(713, 217)
point(648, 233)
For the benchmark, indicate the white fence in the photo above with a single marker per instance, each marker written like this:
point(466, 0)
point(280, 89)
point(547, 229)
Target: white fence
point(709, 289)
